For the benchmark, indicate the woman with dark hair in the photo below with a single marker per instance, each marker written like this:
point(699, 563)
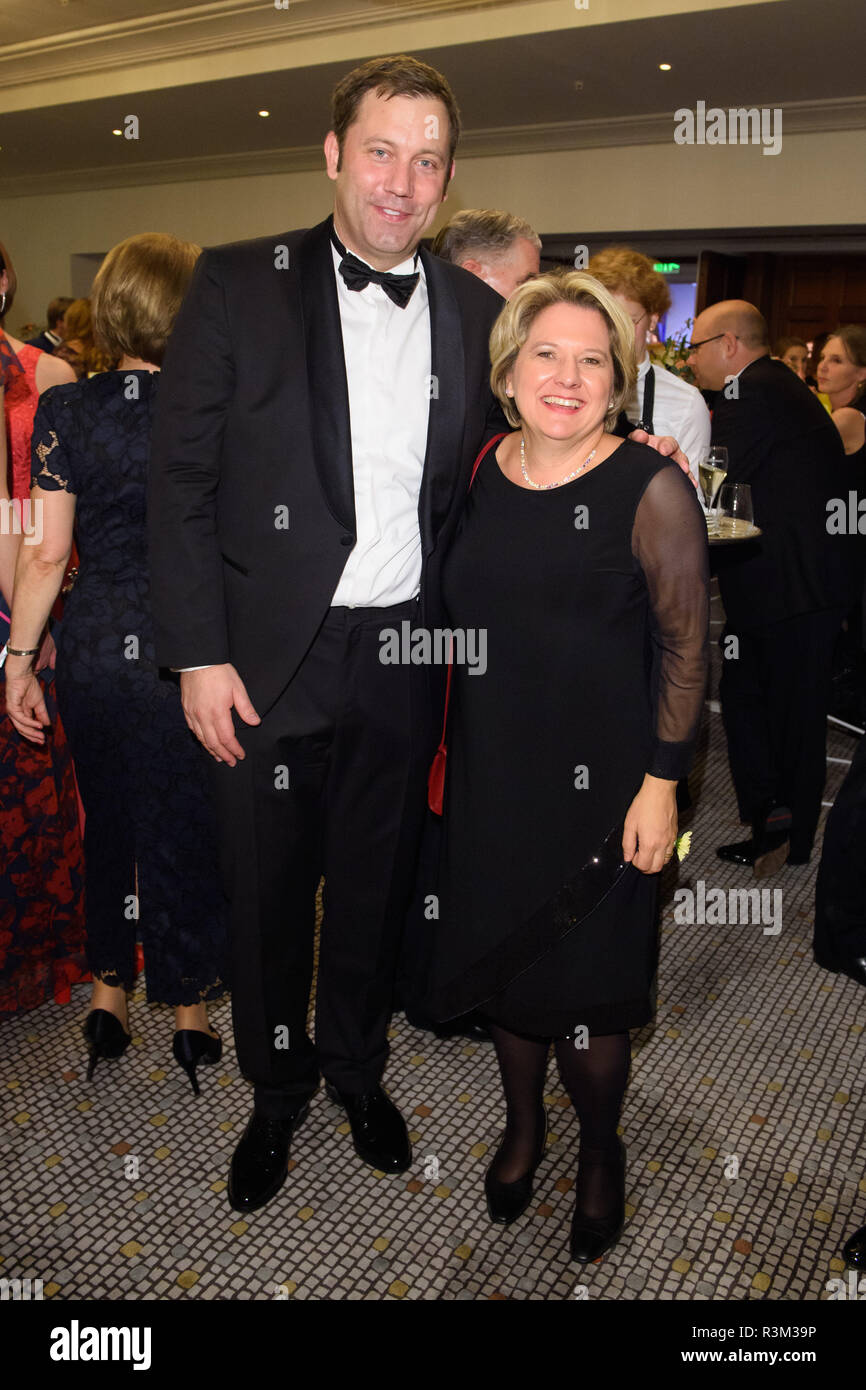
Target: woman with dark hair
point(842, 378)
point(576, 553)
point(150, 844)
point(794, 353)
point(41, 861)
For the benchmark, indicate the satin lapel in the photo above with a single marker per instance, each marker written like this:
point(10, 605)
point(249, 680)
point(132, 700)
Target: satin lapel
point(326, 372)
point(442, 460)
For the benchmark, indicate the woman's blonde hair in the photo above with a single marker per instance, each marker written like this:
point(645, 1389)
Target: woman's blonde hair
point(511, 330)
point(137, 292)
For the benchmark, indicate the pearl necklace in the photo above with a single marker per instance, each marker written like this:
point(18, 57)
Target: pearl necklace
point(543, 487)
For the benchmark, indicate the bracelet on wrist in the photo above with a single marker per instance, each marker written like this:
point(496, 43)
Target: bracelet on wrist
point(21, 651)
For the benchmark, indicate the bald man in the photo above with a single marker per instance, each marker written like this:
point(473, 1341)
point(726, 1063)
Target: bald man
point(786, 593)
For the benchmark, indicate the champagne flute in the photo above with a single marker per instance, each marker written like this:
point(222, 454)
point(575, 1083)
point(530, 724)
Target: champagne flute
point(712, 472)
point(735, 512)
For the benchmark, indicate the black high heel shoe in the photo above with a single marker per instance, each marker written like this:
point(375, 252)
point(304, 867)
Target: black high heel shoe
point(508, 1200)
point(190, 1046)
point(591, 1237)
point(105, 1036)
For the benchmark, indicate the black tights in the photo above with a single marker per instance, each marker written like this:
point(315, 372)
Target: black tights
point(595, 1078)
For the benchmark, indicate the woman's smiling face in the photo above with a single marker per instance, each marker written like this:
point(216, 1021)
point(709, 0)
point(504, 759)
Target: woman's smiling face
point(562, 377)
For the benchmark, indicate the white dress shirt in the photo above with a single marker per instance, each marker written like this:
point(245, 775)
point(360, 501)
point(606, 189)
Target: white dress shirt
point(388, 356)
point(679, 410)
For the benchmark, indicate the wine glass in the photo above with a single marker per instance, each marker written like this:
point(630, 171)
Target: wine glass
point(712, 472)
point(736, 516)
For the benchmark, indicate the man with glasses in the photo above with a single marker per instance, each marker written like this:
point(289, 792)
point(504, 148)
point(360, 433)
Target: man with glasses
point(661, 402)
point(785, 593)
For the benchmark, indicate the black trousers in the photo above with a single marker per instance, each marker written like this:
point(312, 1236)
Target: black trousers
point(333, 784)
point(774, 697)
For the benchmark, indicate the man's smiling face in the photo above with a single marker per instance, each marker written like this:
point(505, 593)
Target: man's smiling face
point(392, 177)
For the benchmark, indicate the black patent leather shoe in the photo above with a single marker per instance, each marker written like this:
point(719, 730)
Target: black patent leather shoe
point(105, 1036)
point(378, 1129)
point(854, 1250)
point(764, 856)
point(590, 1237)
point(768, 849)
point(740, 852)
point(191, 1046)
point(260, 1162)
point(508, 1200)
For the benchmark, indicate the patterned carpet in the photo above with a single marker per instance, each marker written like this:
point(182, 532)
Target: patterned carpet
point(744, 1122)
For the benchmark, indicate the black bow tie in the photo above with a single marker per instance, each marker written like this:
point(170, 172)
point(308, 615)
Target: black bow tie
point(357, 275)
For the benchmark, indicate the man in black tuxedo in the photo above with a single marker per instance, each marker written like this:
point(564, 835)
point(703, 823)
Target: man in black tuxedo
point(785, 593)
point(322, 400)
point(54, 334)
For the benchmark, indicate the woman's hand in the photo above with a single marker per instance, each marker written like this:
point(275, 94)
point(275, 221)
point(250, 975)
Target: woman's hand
point(650, 830)
point(25, 703)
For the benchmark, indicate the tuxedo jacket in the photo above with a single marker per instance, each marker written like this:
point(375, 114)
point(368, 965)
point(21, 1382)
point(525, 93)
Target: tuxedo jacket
point(782, 442)
point(42, 342)
point(251, 514)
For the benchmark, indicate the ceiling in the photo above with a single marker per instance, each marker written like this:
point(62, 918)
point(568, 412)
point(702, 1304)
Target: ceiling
point(515, 92)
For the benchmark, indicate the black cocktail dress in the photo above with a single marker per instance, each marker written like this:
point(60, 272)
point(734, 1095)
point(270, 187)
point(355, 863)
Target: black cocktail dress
point(594, 598)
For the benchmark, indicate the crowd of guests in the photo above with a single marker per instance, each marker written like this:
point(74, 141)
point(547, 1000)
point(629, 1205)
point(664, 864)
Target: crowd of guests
point(172, 386)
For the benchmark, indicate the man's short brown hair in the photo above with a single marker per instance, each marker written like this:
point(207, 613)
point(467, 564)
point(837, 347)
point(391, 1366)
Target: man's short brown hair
point(56, 309)
point(137, 292)
point(400, 76)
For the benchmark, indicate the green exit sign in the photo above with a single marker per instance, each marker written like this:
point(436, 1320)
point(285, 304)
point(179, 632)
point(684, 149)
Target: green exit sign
point(666, 267)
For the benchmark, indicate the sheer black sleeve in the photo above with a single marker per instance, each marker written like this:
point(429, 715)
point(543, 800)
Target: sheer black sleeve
point(669, 542)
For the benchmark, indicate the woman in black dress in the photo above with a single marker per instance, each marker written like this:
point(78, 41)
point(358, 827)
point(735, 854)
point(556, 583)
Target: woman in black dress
point(583, 557)
point(150, 839)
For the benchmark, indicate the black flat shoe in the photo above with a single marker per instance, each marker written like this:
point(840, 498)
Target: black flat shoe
point(105, 1036)
point(190, 1046)
point(590, 1237)
point(378, 1129)
point(260, 1162)
point(508, 1200)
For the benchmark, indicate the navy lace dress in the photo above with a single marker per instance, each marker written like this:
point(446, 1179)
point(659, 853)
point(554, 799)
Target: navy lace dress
point(150, 835)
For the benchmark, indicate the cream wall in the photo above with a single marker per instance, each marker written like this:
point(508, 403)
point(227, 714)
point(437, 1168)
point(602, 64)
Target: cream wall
point(812, 181)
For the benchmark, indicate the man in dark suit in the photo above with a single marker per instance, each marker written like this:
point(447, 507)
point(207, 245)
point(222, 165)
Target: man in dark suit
point(323, 398)
point(54, 334)
point(786, 593)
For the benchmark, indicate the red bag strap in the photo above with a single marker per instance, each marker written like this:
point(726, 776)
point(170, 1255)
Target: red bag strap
point(488, 446)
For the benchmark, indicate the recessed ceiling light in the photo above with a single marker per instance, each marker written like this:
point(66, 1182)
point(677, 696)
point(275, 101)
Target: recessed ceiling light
point(264, 113)
point(664, 67)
